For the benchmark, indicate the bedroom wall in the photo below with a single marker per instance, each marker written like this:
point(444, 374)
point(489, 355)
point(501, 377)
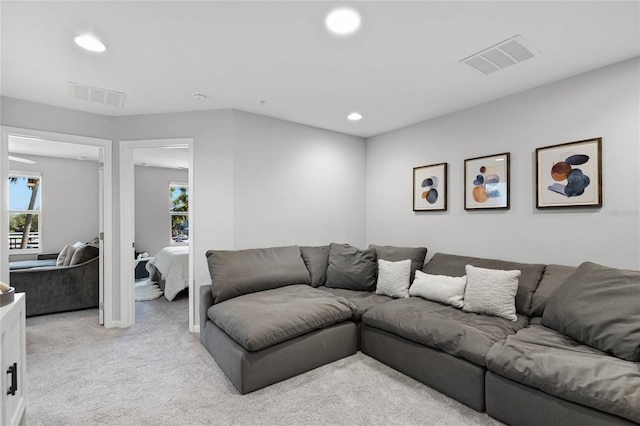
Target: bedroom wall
point(295, 184)
point(152, 206)
point(69, 200)
point(604, 102)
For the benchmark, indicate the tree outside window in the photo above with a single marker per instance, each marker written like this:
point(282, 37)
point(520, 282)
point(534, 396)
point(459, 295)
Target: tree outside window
point(179, 210)
point(24, 213)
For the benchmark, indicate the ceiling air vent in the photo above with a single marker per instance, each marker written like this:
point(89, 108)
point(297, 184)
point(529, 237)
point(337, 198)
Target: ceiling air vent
point(504, 54)
point(96, 94)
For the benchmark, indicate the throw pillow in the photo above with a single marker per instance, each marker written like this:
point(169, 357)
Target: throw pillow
point(316, 260)
point(439, 288)
point(393, 278)
point(351, 268)
point(394, 254)
point(70, 250)
point(62, 256)
point(492, 292)
point(600, 307)
point(83, 254)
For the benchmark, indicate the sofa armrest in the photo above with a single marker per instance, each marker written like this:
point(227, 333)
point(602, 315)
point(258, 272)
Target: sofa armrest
point(206, 301)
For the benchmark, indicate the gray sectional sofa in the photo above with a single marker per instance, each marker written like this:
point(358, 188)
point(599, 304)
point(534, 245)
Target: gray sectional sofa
point(529, 344)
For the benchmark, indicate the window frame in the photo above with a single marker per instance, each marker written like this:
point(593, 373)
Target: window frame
point(27, 175)
point(172, 213)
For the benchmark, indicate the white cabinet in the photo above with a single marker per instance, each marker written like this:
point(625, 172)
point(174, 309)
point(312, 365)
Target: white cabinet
point(13, 362)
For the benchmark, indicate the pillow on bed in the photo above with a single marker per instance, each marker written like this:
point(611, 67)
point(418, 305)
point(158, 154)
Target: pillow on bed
point(237, 272)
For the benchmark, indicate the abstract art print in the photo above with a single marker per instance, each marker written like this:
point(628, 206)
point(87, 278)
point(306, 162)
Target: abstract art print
point(430, 187)
point(486, 182)
point(569, 174)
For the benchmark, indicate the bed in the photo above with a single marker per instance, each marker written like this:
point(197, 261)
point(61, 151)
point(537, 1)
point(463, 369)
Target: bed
point(170, 269)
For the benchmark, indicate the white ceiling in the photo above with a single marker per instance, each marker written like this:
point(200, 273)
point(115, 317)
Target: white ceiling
point(400, 68)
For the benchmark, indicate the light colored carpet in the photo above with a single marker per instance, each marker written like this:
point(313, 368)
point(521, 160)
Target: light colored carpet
point(146, 290)
point(157, 373)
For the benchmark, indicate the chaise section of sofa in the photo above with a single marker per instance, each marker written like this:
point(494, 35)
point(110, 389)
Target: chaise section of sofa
point(262, 322)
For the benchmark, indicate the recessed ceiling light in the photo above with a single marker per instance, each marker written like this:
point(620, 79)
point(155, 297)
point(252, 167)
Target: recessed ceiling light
point(354, 116)
point(89, 42)
point(343, 21)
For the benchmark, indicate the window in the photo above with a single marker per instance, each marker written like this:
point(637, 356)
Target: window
point(179, 209)
point(24, 212)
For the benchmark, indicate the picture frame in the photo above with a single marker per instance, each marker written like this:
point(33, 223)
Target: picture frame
point(569, 174)
point(486, 182)
point(430, 188)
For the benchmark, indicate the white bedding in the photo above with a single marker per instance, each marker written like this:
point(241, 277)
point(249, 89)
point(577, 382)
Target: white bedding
point(173, 264)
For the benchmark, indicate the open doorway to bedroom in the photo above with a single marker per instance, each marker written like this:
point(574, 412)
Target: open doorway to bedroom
point(156, 192)
point(59, 188)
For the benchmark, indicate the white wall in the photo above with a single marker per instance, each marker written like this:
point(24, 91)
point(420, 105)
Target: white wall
point(153, 222)
point(295, 184)
point(70, 200)
point(603, 102)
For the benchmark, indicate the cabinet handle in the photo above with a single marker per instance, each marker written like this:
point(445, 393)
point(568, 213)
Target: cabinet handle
point(13, 370)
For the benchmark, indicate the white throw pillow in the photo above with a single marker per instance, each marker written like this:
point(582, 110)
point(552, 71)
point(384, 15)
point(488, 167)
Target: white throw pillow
point(62, 256)
point(69, 253)
point(439, 288)
point(492, 292)
point(394, 278)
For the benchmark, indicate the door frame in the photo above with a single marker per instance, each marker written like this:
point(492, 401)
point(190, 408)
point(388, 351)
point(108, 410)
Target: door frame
point(106, 225)
point(127, 223)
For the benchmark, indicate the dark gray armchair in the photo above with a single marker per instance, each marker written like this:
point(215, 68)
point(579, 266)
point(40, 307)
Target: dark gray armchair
point(51, 289)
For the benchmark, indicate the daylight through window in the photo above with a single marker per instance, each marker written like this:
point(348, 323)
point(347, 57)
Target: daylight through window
point(25, 212)
point(179, 209)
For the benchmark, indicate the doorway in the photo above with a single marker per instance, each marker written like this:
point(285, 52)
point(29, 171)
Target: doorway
point(102, 148)
point(128, 150)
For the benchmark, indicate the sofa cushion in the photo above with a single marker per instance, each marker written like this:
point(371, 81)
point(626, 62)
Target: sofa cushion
point(394, 254)
point(361, 301)
point(454, 266)
point(316, 260)
point(600, 307)
point(547, 360)
point(29, 264)
point(461, 334)
point(260, 320)
point(439, 288)
point(351, 268)
point(237, 272)
point(491, 292)
point(553, 276)
point(393, 278)
point(83, 254)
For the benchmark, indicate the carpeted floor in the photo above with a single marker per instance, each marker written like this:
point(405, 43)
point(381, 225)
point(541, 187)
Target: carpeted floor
point(157, 373)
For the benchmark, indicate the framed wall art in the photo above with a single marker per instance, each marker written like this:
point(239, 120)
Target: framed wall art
point(569, 174)
point(430, 188)
point(486, 182)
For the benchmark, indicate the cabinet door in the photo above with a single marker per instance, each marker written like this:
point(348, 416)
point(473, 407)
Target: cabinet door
point(13, 350)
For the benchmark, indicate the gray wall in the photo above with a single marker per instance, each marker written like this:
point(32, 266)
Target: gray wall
point(70, 201)
point(603, 102)
point(153, 221)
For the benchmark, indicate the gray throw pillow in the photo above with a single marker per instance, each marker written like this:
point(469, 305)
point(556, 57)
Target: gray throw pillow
point(600, 307)
point(237, 272)
point(84, 254)
point(352, 268)
point(395, 254)
point(316, 260)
